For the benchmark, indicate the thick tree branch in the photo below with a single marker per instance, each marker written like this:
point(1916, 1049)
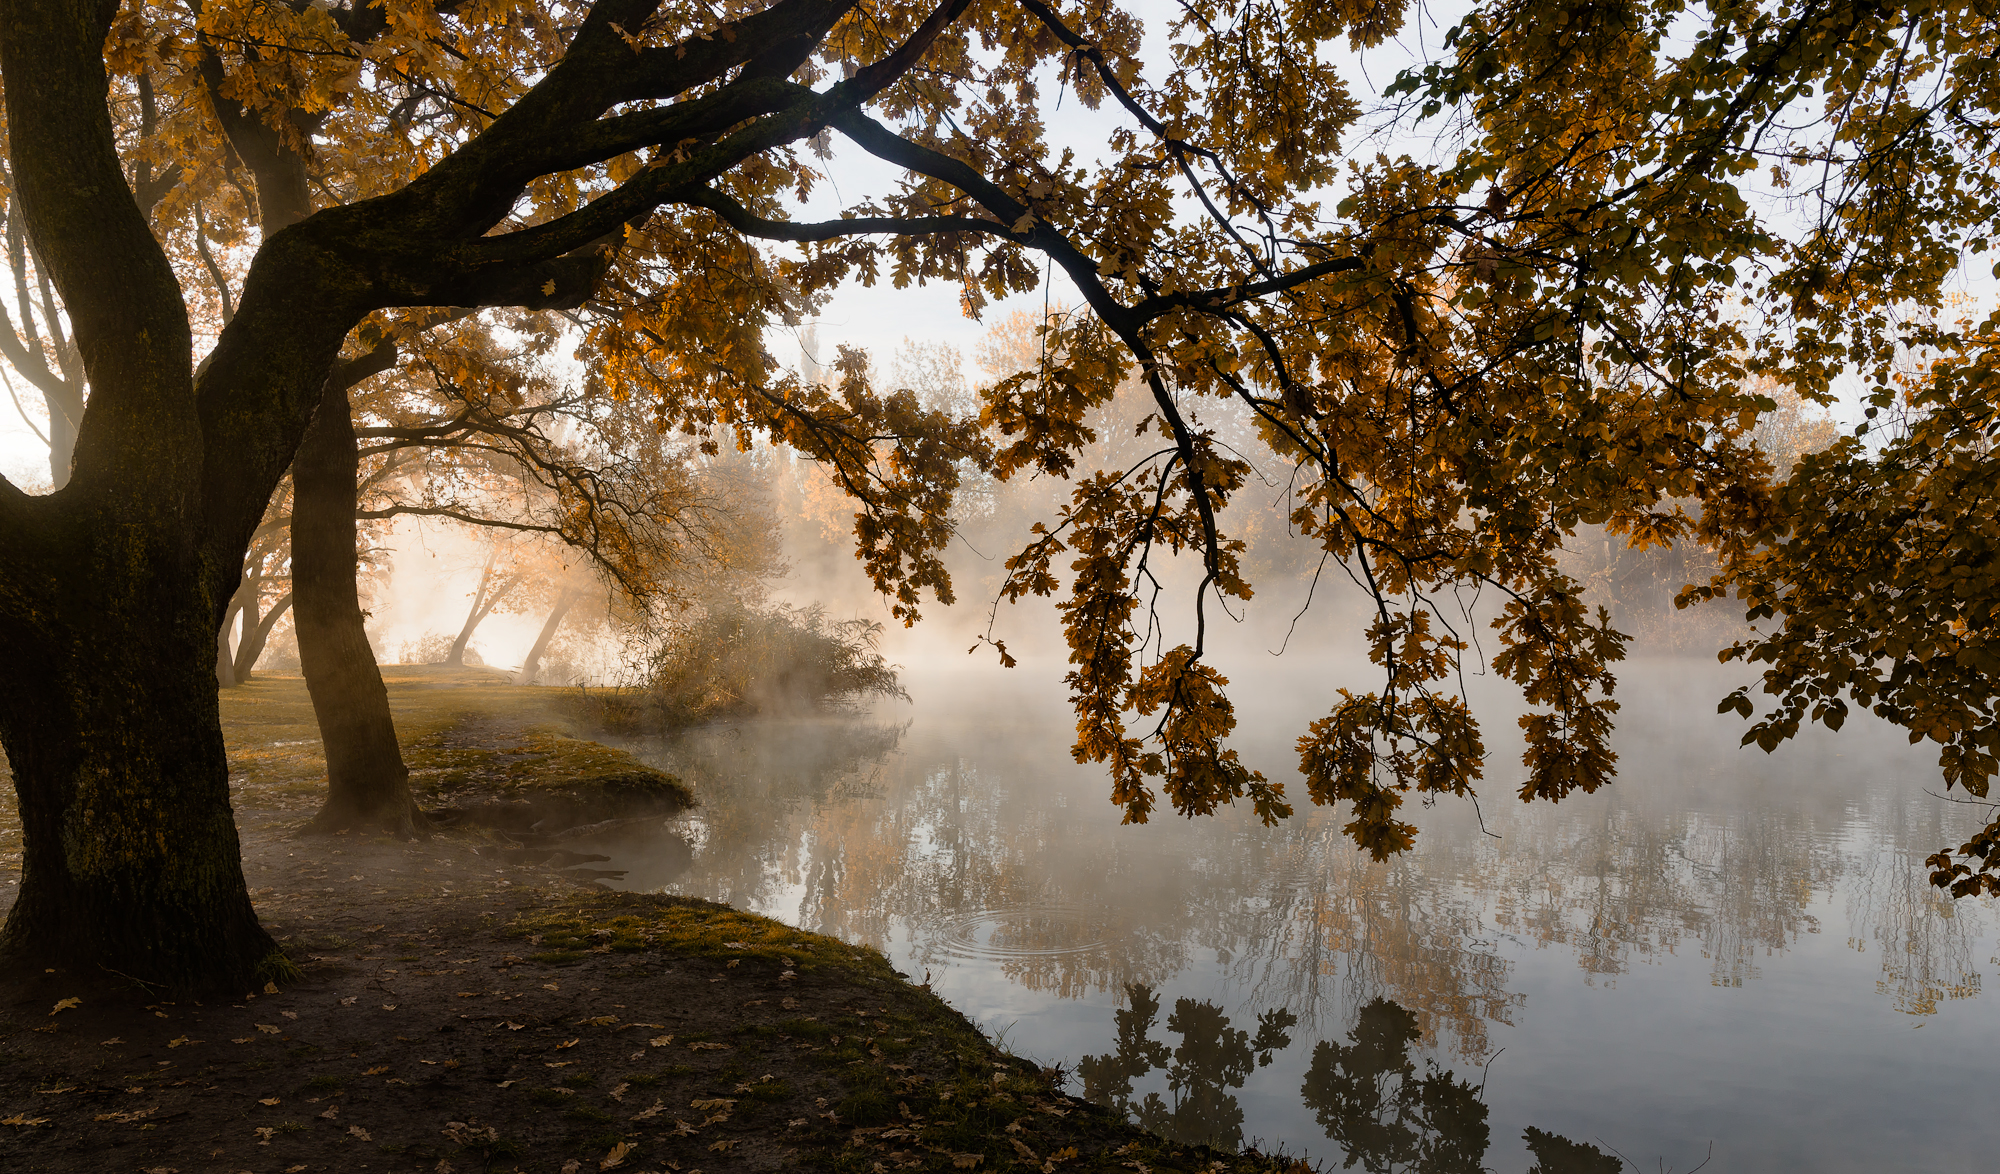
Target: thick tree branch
point(123, 300)
point(736, 216)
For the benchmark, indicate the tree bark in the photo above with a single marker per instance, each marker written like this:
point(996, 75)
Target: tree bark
point(131, 867)
point(532, 666)
point(368, 786)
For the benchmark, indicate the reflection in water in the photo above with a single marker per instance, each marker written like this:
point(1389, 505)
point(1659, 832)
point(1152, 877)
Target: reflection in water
point(1212, 1059)
point(1370, 1096)
point(1371, 1099)
point(967, 844)
point(1389, 1117)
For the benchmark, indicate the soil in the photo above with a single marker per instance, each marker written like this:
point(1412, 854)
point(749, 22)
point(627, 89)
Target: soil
point(465, 1005)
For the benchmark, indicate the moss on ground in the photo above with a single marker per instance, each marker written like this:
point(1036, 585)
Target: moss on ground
point(915, 1085)
point(467, 735)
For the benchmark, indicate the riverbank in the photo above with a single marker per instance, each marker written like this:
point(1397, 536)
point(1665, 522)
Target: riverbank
point(460, 1010)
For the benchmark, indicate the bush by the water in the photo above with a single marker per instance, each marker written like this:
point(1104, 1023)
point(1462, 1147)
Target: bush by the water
point(733, 661)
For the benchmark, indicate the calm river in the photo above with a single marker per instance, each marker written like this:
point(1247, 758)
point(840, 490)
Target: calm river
point(1724, 953)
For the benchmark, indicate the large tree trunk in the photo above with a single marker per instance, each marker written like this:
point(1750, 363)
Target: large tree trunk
point(532, 666)
point(368, 787)
point(131, 866)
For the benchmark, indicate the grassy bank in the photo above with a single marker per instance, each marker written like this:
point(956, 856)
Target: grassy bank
point(457, 1012)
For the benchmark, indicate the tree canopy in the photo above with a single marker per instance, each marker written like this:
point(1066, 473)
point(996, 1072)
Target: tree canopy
point(1647, 218)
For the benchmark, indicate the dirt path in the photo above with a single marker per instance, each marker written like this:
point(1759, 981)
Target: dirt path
point(458, 1013)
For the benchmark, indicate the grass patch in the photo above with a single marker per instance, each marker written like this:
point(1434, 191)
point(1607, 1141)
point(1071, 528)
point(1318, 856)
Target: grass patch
point(910, 1076)
point(464, 732)
point(690, 927)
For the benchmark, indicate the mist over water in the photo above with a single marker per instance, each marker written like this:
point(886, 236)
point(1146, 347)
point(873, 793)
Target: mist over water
point(1722, 947)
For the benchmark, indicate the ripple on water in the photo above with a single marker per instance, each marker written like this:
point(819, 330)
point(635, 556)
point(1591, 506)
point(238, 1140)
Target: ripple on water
point(1024, 931)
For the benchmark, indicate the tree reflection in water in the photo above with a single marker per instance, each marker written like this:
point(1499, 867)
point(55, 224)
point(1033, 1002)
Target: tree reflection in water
point(1212, 1058)
point(1387, 1113)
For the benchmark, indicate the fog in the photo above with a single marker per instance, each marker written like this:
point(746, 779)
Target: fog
point(1721, 953)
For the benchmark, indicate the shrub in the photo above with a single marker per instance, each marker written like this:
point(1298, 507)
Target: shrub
point(733, 661)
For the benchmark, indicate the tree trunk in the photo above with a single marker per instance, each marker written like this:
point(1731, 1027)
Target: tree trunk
point(131, 865)
point(225, 661)
point(482, 606)
point(368, 787)
point(250, 645)
point(533, 664)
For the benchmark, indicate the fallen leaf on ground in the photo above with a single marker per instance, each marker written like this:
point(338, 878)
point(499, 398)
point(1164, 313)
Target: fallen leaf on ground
point(388, 1006)
point(712, 1103)
point(350, 1000)
point(265, 1133)
point(113, 1040)
point(618, 1094)
point(723, 1146)
point(248, 1039)
point(289, 1014)
point(332, 1111)
point(22, 1121)
point(551, 986)
point(616, 1157)
point(647, 1115)
point(660, 1041)
point(267, 1029)
point(66, 1004)
point(570, 1043)
point(966, 1161)
point(175, 1043)
point(707, 1047)
point(376, 1071)
point(357, 1131)
point(268, 1101)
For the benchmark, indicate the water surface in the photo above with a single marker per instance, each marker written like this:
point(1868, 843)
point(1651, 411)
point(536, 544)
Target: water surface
point(1722, 953)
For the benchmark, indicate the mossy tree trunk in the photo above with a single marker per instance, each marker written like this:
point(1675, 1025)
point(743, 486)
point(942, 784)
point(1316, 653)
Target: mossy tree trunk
point(368, 785)
point(131, 865)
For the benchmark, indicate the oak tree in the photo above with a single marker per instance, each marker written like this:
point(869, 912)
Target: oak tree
point(1565, 324)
